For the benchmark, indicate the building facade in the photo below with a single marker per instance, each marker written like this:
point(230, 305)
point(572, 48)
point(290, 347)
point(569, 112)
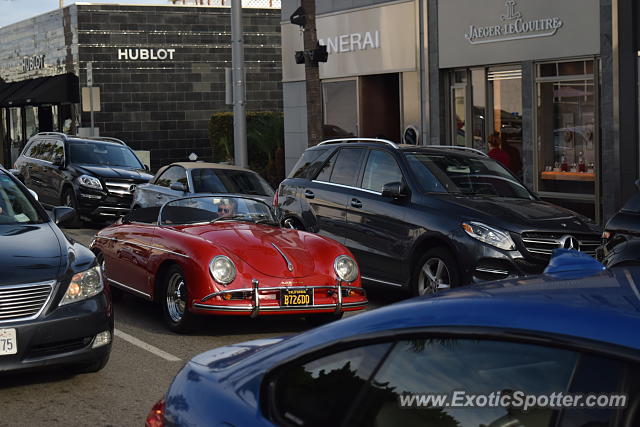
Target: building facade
point(160, 71)
point(556, 83)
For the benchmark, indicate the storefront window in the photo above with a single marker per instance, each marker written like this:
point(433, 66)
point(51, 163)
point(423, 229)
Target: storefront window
point(31, 120)
point(15, 132)
point(566, 132)
point(459, 115)
point(505, 133)
point(479, 94)
point(340, 108)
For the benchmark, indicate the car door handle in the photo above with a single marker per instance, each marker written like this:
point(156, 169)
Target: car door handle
point(309, 194)
point(356, 203)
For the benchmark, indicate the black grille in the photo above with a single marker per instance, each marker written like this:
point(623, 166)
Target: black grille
point(543, 243)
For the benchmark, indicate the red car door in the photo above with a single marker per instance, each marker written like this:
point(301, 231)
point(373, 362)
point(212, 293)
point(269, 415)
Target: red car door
point(130, 259)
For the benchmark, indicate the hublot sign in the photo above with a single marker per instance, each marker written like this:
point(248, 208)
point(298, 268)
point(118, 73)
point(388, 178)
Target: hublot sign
point(30, 63)
point(144, 54)
point(513, 27)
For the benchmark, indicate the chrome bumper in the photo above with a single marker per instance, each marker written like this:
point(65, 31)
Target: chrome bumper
point(256, 308)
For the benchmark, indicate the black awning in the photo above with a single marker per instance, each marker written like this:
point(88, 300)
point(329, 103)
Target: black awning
point(59, 89)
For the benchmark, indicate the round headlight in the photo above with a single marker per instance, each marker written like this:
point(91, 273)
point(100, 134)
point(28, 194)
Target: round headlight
point(346, 268)
point(222, 269)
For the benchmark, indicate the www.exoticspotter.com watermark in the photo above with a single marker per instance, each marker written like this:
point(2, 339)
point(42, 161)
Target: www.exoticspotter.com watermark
point(519, 400)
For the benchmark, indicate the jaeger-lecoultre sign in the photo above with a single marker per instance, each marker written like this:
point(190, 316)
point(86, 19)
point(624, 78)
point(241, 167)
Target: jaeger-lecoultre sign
point(513, 26)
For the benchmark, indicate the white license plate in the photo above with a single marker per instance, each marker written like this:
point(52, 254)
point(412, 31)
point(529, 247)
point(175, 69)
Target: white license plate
point(8, 342)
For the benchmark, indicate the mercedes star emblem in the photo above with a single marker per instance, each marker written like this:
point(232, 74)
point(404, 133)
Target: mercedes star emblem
point(569, 242)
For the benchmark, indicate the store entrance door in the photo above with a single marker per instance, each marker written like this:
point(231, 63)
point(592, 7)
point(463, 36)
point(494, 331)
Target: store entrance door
point(380, 106)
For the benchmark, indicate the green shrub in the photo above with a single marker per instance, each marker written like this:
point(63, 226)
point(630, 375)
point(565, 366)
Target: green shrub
point(265, 142)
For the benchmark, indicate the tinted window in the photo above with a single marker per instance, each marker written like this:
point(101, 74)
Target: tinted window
point(15, 208)
point(319, 393)
point(307, 164)
point(42, 149)
point(229, 181)
point(58, 151)
point(441, 366)
point(96, 153)
point(327, 168)
point(171, 175)
point(347, 166)
point(381, 169)
point(468, 175)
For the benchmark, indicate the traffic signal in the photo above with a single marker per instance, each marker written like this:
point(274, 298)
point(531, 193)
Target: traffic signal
point(319, 54)
point(298, 17)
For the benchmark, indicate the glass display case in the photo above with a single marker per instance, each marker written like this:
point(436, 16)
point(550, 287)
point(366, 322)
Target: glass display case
point(567, 134)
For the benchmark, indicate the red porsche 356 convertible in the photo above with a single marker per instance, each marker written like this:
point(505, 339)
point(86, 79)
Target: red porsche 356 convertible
point(224, 254)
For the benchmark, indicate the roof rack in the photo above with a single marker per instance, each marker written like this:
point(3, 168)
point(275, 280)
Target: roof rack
point(50, 133)
point(100, 138)
point(457, 147)
point(339, 140)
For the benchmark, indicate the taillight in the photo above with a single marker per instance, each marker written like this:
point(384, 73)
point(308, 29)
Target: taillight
point(156, 415)
point(275, 199)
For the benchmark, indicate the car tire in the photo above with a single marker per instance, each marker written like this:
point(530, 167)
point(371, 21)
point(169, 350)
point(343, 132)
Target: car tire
point(69, 199)
point(435, 271)
point(322, 319)
point(174, 299)
point(293, 224)
point(93, 366)
point(116, 293)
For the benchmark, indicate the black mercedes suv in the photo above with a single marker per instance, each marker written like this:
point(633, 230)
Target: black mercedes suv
point(426, 218)
point(92, 175)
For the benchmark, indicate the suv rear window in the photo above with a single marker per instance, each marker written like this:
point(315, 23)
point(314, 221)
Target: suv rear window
point(97, 153)
point(229, 181)
point(307, 164)
point(343, 167)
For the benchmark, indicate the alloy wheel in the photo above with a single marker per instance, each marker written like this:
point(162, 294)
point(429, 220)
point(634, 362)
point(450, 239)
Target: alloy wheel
point(434, 277)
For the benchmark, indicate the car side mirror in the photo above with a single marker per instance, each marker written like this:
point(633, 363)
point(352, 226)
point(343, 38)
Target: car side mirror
point(146, 167)
point(178, 186)
point(62, 214)
point(395, 190)
point(638, 184)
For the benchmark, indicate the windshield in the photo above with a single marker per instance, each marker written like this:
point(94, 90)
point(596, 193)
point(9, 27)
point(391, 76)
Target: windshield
point(215, 208)
point(15, 208)
point(229, 181)
point(102, 154)
point(451, 173)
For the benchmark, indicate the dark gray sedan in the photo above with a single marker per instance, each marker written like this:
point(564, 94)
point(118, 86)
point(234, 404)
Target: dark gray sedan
point(187, 178)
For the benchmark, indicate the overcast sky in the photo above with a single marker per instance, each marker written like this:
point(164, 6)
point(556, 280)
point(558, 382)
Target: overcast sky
point(16, 10)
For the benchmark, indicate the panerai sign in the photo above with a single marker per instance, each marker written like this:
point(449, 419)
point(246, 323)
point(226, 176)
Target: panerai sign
point(30, 63)
point(513, 27)
point(143, 54)
point(352, 42)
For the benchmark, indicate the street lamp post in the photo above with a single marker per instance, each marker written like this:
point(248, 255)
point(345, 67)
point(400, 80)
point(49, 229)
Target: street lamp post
point(237, 63)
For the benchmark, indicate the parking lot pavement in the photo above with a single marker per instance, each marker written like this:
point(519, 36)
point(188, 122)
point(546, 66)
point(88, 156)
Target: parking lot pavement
point(144, 359)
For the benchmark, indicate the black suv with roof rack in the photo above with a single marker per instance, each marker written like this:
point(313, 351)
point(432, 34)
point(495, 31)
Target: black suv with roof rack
point(93, 175)
point(426, 217)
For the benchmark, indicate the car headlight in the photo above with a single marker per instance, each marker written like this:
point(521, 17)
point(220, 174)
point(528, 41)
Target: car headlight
point(83, 285)
point(492, 236)
point(222, 270)
point(90, 182)
point(346, 268)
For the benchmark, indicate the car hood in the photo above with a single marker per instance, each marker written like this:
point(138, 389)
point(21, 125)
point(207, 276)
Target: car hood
point(265, 248)
point(519, 214)
point(115, 172)
point(29, 254)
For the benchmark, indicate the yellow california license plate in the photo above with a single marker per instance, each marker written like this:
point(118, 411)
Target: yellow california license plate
point(296, 297)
